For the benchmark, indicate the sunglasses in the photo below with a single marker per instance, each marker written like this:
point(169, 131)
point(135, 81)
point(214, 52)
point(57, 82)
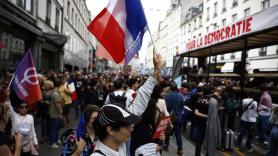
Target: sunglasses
point(21, 107)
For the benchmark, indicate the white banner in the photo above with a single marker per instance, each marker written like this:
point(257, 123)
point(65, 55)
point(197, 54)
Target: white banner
point(258, 22)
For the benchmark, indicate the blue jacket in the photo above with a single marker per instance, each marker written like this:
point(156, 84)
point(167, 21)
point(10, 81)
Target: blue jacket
point(175, 103)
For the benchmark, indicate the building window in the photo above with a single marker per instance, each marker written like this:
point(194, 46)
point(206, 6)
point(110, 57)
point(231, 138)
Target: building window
point(265, 4)
point(235, 3)
point(207, 29)
point(48, 11)
point(72, 16)
point(234, 17)
point(222, 57)
point(189, 28)
point(223, 22)
point(215, 9)
point(208, 14)
point(195, 24)
point(224, 6)
point(215, 26)
point(233, 56)
point(200, 21)
point(201, 7)
point(262, 51)
point(68, 9)
point(25, 5)
point(76, 21)
point(57, 20)
point(246, 12)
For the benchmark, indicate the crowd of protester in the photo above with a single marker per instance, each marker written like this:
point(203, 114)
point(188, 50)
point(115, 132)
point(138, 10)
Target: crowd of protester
point(118, 115)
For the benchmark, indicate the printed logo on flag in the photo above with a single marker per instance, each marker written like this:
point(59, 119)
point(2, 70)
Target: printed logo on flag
point(25, 82)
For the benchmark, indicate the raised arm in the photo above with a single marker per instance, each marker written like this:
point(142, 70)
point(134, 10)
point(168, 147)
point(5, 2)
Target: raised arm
point(143, 96)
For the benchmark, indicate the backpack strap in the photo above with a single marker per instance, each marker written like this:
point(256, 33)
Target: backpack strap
point(123, 95)
point(98, 151)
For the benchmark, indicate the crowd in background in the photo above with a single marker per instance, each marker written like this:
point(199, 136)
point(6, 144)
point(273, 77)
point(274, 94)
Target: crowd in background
point(211, 107)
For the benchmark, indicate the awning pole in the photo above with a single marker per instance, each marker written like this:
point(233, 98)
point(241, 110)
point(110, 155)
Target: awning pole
point(209, 65)
point(188, 68)
point(215, 62)
point(243, 65)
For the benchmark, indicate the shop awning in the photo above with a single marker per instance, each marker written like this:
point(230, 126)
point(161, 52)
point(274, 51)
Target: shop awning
point(57, 39)
point(258, 30)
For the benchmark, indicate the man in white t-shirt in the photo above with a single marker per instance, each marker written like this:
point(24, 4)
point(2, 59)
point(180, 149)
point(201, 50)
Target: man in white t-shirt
point(248, 121)
point(119, 95)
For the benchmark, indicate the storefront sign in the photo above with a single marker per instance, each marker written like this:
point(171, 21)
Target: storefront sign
point(258, 22)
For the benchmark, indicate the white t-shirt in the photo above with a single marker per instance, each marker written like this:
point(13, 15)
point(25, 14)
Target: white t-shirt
point(250, 115)
point(161, 105)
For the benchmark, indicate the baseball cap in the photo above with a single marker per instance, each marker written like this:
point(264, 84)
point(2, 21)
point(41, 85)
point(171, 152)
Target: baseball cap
point(115, 113)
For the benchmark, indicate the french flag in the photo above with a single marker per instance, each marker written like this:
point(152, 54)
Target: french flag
point(73, 91)
point(119, 28)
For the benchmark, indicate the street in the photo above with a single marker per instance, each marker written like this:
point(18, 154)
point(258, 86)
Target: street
point(188, 146)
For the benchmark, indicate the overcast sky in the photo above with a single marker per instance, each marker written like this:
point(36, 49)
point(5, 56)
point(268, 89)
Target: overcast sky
point(155, 11)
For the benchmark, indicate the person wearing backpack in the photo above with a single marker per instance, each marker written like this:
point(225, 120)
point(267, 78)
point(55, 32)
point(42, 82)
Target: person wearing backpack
point(231, 104)
point(114, 123)
point(247, 121)
point(119, 95)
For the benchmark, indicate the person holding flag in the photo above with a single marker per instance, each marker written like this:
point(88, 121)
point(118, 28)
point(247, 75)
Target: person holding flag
point(25, 83)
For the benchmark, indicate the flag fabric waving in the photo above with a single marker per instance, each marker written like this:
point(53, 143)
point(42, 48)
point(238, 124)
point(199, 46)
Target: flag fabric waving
point(25, 82)
point(120, 28)
point(73, 91)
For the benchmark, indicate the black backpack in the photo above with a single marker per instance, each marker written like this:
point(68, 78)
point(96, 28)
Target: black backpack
point(117, 99)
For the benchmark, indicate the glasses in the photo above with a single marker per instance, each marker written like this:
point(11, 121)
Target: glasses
point(21, 107)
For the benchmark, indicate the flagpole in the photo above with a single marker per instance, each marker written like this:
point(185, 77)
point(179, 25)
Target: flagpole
point(151, 38)
point(11, 81)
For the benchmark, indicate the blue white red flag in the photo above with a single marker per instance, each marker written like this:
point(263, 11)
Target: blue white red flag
point(120, 28)
point(25, 82)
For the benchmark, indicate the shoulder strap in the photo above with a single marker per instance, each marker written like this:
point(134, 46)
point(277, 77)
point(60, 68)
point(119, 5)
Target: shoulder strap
point(246, 108)
point(98, 151)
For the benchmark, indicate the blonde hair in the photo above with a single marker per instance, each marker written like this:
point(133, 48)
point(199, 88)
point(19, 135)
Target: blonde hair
point(48, 83)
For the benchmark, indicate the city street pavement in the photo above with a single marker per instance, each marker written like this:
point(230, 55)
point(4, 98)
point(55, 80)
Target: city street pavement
point(188, 145)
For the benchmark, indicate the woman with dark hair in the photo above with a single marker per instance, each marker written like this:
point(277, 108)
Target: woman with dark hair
point(150, 118)
point(86, 133)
